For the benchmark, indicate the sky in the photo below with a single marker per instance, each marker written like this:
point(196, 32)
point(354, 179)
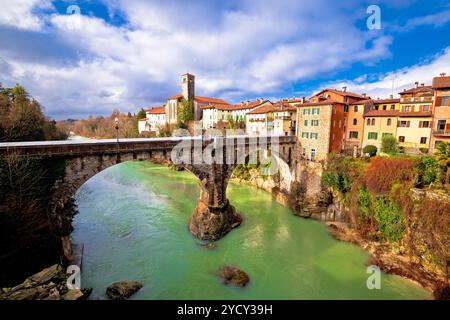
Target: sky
point(90, 57)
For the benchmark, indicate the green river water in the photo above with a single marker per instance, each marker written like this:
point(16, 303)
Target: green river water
point(133, 222)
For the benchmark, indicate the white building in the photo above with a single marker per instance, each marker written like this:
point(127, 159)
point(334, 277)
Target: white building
point(260, 121)
point(284, 119)
point(156, 118)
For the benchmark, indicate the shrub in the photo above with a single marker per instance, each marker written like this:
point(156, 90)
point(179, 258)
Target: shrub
point(341, 172)
point(389, 218)
point(364, 200)
point(429, 170)
point(423, 150)
point(389, 144)
point(382, 173)
point(371, 150)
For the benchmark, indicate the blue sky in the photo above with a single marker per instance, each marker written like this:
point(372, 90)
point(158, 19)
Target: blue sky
point(125, 55)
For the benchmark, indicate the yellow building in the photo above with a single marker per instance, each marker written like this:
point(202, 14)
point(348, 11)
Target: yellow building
point(415, 118)
point(377, 125)
point(386, 104)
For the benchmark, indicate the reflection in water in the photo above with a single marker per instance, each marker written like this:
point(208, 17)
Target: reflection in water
point(133, 221)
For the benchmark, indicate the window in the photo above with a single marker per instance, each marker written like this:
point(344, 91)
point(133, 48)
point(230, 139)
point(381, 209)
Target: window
point(315, 123)
point(392, 106)
point(368, 121)
point(314, 135)
point(389, 121)
point(384, 107)
point(353, 135)
point(313, 154)
point(355, 122)
point(373, 122)
point(408, 109)
point(306, 111)
point(444, 100)
point(372, 136)
point(441, 125)
point(376, 107)
point(426, 108)
point(401, 139)
point(423, 140)
point(305, 135)
point(404, 124)
point(303, 152)
point(355, 108)
point(424, 124)
point(346, 108)
point(305, 123)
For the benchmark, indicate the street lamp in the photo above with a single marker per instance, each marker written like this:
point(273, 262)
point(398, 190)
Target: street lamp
point(117, 128)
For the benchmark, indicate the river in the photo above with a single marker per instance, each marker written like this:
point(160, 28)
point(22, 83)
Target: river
point(133, 222)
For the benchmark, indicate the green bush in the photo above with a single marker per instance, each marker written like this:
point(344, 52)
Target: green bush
point(429, 170)
point(371, 150)
point(389, 144)
point(389, 218)
point(364, 200)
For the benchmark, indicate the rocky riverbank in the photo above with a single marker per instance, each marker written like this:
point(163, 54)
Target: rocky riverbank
point(394, 263)
point(335, 214)
point(48, 284)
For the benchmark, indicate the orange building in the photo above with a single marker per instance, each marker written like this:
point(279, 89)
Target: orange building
point(321, 122)
point(441, 115)
point(354, 129)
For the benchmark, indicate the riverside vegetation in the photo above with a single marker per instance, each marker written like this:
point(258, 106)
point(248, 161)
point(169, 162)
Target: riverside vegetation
point(399, 209)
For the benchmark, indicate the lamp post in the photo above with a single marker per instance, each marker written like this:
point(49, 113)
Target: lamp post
point(117, 129)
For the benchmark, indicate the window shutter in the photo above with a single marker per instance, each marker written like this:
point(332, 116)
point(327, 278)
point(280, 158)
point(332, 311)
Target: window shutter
point(376, 135)
point(368, 135)
point(408, 124)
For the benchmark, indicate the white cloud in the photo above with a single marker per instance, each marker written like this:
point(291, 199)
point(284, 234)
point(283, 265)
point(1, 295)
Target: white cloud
point(19, 13)
point(243, 48)
point(394, 82)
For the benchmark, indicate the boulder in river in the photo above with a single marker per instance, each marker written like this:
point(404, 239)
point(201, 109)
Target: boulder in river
point(208, 245)
point(234, 275)
point(123, 290)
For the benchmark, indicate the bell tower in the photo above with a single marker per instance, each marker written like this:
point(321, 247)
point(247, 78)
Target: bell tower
point(188, 86)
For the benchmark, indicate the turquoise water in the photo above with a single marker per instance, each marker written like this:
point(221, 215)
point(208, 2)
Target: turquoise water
point(133, 222)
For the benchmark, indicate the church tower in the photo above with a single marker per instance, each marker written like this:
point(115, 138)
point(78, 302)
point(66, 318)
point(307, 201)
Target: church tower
point(188, 87)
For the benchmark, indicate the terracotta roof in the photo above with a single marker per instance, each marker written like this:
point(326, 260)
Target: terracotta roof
point(157, 110)
point(416, 90)
point(381, 113)
point(441, 82)
point(176, 97)
point(414, 114)
point(250, 104)
point(209, 100)
point(320, 103)
point(386, 101)
point(263, 110)
point(361, 102)
point(282, 106)
point(218, 106)
point(342, 93)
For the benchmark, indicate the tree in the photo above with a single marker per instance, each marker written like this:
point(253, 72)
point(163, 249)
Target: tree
point(141, 114)
point(443, 157)
point(371, 150)
point(389, 144)
point(185, 113)
point(231, 122)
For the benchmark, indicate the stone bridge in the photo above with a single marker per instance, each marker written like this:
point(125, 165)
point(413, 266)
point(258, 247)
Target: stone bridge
point(212, 160)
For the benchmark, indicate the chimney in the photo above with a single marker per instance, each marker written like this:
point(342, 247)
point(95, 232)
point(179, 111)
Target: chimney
point(417, 84)
point(303, 99)
point(344, 89)
point(391, 96)
point(422, 84)
point(442, 74)
point(364, 95)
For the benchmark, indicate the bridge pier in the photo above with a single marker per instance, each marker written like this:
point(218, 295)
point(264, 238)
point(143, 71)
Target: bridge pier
point(214, 216)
